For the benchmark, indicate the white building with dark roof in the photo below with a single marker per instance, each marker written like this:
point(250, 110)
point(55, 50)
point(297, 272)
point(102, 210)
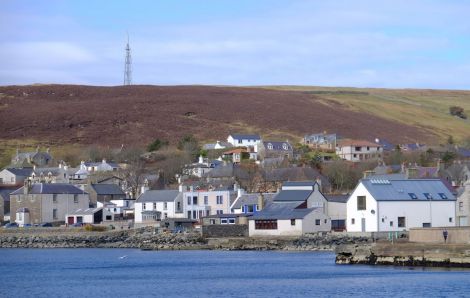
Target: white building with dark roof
point(379, 205)
point(243, 140)
point(14, 176)
point(156, 205)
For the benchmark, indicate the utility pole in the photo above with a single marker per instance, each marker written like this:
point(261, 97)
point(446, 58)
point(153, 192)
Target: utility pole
point(128, 65)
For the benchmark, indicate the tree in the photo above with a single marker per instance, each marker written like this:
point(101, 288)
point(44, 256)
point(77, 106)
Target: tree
point(450, 140)
point(190, 145)
point(448, 157)
point(156, 145)
point(134, 171)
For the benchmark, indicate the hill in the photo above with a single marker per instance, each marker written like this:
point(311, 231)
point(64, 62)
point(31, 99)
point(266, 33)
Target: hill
point(80, 115)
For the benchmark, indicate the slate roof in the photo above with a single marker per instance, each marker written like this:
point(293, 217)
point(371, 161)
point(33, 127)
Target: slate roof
point(51, 188)
point(251, 199)
point(277, 146)
point(107, 189)
point(397, 176)
point(398, 190)
point(23, 172)
point(282, 211)
point(158, 196)
point(245, 137)
point(292, 195)
point(464, 152)
point(386, 145)
point(337, 198)
point(86, 211)
point(299, 183)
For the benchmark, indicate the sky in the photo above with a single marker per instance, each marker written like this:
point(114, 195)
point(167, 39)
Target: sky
point(355, 43)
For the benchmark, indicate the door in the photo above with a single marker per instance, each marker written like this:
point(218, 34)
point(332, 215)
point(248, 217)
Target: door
point(70, 220)
point(363, 224)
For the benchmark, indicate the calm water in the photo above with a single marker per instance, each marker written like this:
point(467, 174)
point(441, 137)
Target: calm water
point(124, 272)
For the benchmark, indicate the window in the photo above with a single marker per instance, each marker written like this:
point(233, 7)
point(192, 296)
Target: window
point(178, 206)
point(270, 146)
point(75, 199)
point(1, 180)
point(239, 141)
point(12, 179)
point(54, 213)
point(189, 214)
point(143, 206)
point(368, 148)
point(413, 196)
point(269, 224)
point(326, 221)
point(212, 221)
point(426, 224)
point(317, 222)
point(220, 211)
point(194, 214)
point(401, 222)
point(285, 147)
point(391, 223)
point(460, 206)
point(194, 200)
point(361, 203)
point(353, 221)
point(54, 198)
point(354, 155)
point(383, 219)
point(292, 222)
point(165, 215)
point(428, 196)
point(220, 200)
point(154, 206)
point(450, 219)
point(206, 200)
point(231, 221)
point(357, 148)
point(165, 206)
point(189, 200)
point(223, 221)
point(443, 196)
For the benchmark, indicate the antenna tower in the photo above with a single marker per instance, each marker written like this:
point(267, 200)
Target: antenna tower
point(128, 65)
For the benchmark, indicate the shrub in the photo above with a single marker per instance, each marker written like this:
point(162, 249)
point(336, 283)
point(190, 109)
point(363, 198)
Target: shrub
point(457, 111)
point(92, 228)
point(156, 145)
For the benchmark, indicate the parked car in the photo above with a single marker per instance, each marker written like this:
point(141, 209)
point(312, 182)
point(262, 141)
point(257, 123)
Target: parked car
point(27, 225)
point(77, 225)
point(46, 225)
point(10, 225)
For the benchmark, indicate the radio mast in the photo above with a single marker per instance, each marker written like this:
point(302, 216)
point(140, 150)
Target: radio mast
point(128, 65)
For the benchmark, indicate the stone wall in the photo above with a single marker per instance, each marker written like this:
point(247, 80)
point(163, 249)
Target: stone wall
point(225, 230)
point(455, 235)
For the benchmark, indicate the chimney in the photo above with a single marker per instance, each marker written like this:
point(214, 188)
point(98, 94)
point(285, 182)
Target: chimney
point(180, 187)
point(201, 159)
point(318, 183)
point(27, 186)
point(104, 160)
point(240, 192)
point(37, 149)
point(235, 186)
point(260, 202)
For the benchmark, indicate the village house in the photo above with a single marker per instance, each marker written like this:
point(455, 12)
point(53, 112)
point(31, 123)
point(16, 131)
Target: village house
point(298, 208)
point(320, 141)
point(200, 199)
point(156, 205)
point(201, 167)
point(5, 191)
point(379, 205)
point(46, 203)
point(14, 176)
point(217, 146)
point(463, 204)
point(358, 150)
point(95, 215)
point(102, 166)
point(337, 211)
point(274, 149)
point(105, 193)
point(246, 203)
point(59, 174)
point(243, 140)
point(237, 155)
point(28, 159)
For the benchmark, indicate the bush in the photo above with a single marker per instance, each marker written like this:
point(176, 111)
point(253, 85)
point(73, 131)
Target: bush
point(457, 111)
point(156, 145)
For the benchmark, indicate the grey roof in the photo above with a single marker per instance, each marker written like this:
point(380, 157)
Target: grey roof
point(277, 146)
point(282, 211)
point(51, 188)
point(292, 195)
point(55, 171)
point(398, 190)
point(107, 189)
point(23, 172)
point(251, 199)
point(337, 198)
point(158, 196)
point(397, 176)
point(86, 211)
point(299, 183)
point(245, 137)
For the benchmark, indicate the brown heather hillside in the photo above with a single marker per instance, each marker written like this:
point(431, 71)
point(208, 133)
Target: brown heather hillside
point(69, 114)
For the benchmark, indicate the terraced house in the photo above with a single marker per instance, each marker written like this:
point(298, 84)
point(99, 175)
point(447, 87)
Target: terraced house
point(46, 202)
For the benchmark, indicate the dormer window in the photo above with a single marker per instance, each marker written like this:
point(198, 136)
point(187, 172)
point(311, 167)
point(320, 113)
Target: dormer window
point(443, 196)
point(270, 146)
point(285, 147)
point(428, 196)
point(413, 196)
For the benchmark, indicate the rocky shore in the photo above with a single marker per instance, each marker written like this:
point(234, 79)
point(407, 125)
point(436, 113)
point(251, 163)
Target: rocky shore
point(146, 239)
point(405, 254)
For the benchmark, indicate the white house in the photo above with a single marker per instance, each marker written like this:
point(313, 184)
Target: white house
point(239, 140)
point(203, 200)
point(156, 205)
point(297, 209)
point(89, 216)
point(14, 176)
point(378, 205)
point(463, 204)
point(102, 166)
point(358, 150)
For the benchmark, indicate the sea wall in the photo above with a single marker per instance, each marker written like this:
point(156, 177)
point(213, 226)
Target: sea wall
point(404, 254)
point(146, 238)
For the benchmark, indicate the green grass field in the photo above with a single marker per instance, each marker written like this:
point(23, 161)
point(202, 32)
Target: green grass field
point(427, 109)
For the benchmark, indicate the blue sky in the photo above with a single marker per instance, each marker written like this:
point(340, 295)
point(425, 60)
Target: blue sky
point(359, 43)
